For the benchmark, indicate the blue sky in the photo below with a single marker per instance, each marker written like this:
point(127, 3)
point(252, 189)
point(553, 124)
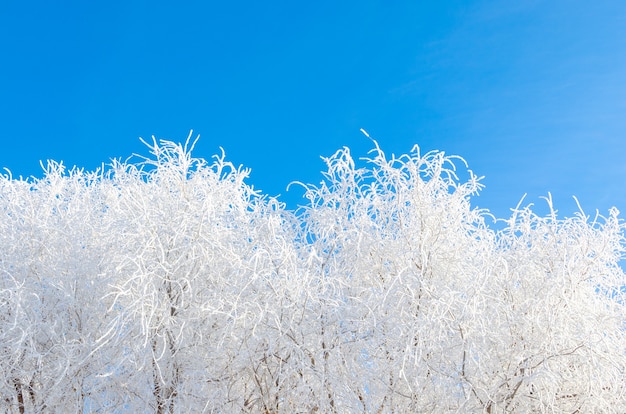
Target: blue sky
point(532, 94)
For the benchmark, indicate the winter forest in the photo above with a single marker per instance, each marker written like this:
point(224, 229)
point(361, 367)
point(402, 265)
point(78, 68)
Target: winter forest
point(169, 285)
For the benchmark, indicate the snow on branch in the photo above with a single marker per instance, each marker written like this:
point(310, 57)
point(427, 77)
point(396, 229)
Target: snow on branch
point(170, 285)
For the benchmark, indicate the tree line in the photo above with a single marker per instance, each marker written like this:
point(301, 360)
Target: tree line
point(170, 285)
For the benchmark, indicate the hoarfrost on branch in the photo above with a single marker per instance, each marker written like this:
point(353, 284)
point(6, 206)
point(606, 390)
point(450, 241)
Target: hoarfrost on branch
point(170, 285)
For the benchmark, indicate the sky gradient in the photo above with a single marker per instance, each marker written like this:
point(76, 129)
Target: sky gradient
point(532, 94)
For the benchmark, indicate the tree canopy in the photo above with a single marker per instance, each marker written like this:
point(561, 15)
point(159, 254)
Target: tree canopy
point(170, 285)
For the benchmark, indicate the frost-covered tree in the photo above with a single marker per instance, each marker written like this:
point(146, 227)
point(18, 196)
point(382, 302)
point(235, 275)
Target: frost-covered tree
point(449, 315)
point(57, 337)
point(170, 285)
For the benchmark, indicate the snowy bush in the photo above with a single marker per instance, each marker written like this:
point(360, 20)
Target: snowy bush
point(169, 285)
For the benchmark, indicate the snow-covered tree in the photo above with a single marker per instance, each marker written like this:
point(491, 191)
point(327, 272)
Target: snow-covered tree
point(170, 285)
point(57, 338)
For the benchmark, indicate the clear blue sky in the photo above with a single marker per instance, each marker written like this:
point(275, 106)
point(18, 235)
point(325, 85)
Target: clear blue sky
point(531, 93)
